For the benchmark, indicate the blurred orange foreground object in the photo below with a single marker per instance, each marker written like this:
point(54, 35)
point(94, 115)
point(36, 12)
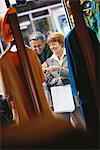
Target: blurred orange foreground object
point(5, 30)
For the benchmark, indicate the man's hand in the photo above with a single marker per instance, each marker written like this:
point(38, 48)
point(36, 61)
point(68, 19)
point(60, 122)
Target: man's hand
point(44, 66)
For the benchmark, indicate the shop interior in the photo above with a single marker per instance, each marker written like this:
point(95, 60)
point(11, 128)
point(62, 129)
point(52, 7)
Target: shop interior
point(35, 124)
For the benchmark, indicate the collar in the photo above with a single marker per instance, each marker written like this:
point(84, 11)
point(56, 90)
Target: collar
point(56, 58)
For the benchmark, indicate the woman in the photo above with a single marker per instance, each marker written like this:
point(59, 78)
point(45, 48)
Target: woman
point(55, 67)
point(57, 74)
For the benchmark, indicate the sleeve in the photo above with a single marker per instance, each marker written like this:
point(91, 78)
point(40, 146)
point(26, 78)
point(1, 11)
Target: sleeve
point(64, 72)
point(53, 81)
point(4, 81)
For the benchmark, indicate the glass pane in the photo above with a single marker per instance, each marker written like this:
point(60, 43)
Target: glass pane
point(43, 25)
point(26, 28)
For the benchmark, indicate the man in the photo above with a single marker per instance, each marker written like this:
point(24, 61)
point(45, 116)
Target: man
point(39, 45)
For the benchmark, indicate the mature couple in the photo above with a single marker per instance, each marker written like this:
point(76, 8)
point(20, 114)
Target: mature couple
point(52, 56)
point(55, 65)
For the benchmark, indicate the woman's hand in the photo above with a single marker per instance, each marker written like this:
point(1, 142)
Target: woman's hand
point(51, 69)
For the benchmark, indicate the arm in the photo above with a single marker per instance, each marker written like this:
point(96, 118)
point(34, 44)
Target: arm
point(53, 80)
point(64, 72)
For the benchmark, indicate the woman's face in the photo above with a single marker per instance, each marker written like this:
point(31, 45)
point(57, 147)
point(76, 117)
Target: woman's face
point(56, 47)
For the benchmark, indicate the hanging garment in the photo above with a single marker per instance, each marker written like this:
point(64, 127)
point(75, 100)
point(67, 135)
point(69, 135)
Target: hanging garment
point(78, 70)
point(15, 87)
point(79, 77)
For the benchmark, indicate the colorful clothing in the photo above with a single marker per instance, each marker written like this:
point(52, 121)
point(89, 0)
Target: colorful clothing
point(93, 20)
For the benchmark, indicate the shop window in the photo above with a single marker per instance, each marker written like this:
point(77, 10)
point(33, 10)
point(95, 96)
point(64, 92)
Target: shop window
point(43, 25)
point(25, 27)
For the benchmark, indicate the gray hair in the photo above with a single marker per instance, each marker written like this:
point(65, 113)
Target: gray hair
point(37, 36)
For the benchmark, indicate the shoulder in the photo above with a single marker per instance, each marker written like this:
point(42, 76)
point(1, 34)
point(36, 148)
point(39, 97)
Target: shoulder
point(5, 53)
point(47, 49)
point(33, 58)
point(50, 59)
point(47, 46)
point(30, 52)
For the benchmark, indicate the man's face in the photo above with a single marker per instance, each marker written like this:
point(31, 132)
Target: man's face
point(37, 45)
